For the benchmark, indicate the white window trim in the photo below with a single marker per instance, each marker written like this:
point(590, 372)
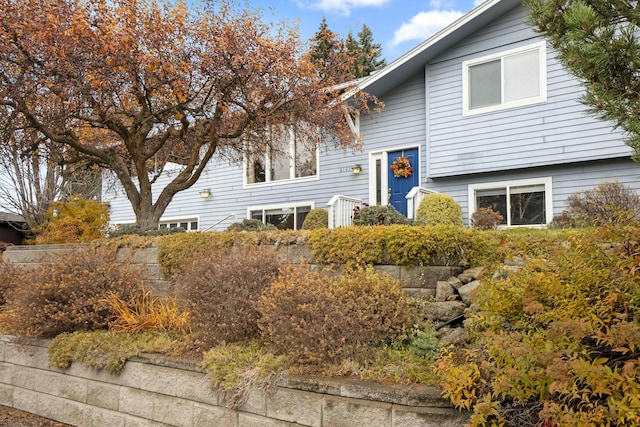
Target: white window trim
point(179, 219)
point(548, 197)
point(384, 177)
point(542, 97)
point(294, 205)
point(292, 168)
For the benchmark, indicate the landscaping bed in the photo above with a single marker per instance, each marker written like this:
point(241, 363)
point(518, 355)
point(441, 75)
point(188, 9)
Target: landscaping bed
point(10, 417)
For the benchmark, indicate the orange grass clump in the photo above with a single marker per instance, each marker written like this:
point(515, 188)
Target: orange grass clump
point(145, 312)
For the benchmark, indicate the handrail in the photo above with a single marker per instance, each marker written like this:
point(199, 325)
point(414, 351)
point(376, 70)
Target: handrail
point(414, 197)
point(341, 210)
point(223, 219)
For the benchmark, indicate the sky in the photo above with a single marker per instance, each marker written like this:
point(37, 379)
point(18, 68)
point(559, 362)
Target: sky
point(398, 25)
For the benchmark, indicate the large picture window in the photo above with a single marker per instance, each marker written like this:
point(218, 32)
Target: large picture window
point(284, 217)
point(298, 159)
point(521, 203)
point(509, 79)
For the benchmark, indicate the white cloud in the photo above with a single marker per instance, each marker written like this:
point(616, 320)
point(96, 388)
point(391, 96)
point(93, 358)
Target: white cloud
point(344, 6)
point(441, 4)
point(424, 25)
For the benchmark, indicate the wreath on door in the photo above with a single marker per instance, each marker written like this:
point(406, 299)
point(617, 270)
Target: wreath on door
point(401, 167)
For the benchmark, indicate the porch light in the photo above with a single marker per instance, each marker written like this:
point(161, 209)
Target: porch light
point(356, 169)
point(205, 194)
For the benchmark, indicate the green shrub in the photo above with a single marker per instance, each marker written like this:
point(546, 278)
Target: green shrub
point(423, 342)
point(606, 203)
point(437, 245)
point(317, 218)
point(486, 219)
point(69, 293)
point(314, 319)
point(348, 246)
point(136, 230)
point(72, 221)
point(439, 209)
point(379, 215)
point(250, 225)
point(175, 251)
point(220, 290)
point(398, 366)
point(556, 341)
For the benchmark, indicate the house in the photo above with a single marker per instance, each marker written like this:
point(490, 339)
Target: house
point(11, 230)
point(482, 111)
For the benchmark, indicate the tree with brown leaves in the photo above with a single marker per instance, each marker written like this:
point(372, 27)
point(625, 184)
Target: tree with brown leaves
point(134, 85)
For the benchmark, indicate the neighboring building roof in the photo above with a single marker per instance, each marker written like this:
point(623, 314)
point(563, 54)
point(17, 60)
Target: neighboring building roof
point(10, 217)
point(413, 61)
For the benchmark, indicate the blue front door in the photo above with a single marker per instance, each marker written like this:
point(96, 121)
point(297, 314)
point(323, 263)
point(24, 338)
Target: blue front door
point(399, 187)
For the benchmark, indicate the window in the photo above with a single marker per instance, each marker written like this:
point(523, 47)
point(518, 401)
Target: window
point(298, 160)
point(188, 224)
point(521, 203)
point(509, 79)
point(284, 217)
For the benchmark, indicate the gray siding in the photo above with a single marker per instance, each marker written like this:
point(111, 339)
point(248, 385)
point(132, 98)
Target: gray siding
point(566, 180)
point(400, 124)
point(556, 138)
point(555, 132)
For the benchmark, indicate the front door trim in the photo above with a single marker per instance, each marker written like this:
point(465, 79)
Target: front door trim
point(383, 177)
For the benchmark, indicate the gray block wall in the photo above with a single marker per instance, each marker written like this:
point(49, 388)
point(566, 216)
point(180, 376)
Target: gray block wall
point(161, 392)
point(416, 280)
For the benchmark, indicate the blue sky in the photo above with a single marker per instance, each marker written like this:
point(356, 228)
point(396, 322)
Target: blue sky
point(398, 25)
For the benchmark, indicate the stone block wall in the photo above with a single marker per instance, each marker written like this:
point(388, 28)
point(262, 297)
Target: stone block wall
point(418, 280)
point(147, 258)
point(155, 391)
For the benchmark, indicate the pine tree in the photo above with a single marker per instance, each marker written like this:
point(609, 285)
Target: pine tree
point(347, 59)
point(367, 60)
point(325, 48)
point(599, 42)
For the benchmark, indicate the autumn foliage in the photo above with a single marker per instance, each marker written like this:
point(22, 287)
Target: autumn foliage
point(557, 343)
point(134, 85)
point(220, 289)
point(315, 319)
point(76, 220)
point(68, 294)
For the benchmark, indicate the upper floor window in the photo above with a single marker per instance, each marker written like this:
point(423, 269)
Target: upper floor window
point(525, 202)
point(509, 79)
point(298, 159)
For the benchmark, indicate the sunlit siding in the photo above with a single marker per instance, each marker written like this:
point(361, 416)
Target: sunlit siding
point(555, 132)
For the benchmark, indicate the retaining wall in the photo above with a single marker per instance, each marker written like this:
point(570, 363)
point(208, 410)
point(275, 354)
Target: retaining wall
point(156, 391)
point(417, 280)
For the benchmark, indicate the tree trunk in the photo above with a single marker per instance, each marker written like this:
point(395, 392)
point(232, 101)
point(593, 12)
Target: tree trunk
point(147, 219)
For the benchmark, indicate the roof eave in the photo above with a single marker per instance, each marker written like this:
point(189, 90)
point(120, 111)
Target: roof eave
point(414, 60)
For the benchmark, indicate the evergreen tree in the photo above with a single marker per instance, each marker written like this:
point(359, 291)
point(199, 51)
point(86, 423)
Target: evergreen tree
point(343, 60)
point(599, 42)
point(325, 48)
point(369, 53)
